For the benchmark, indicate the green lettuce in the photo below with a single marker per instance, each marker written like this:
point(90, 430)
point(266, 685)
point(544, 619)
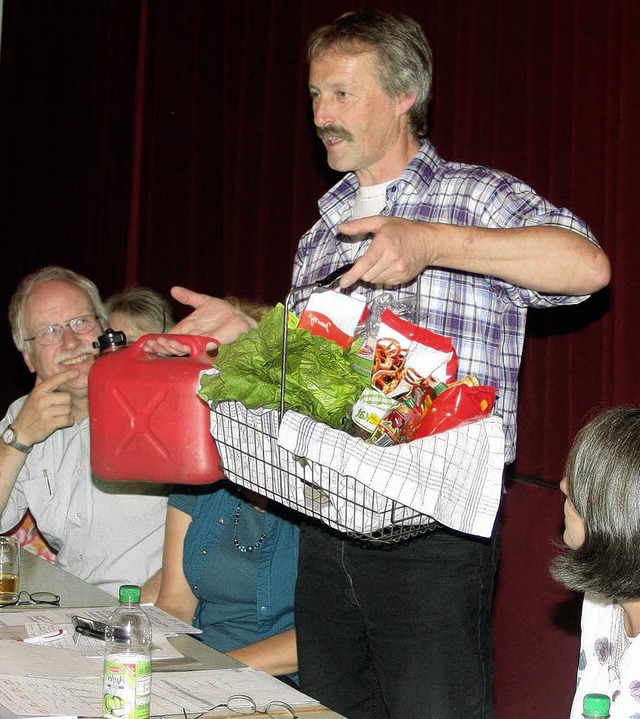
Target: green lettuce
point(320, 381)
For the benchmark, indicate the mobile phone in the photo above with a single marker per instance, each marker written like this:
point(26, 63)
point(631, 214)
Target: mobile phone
point(89, 627)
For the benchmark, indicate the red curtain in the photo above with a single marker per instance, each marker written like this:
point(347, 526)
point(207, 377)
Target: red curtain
point(166, 142)
point(171, 142)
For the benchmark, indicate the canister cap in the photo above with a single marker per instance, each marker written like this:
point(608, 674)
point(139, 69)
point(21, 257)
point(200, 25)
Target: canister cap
point(111, 339)
point(595, 705)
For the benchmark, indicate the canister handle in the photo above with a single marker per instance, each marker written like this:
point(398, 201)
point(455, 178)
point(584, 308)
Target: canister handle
point(197, 345)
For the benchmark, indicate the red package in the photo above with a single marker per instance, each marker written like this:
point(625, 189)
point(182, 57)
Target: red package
point(455, 407)
point(333, 315)
point(407, 356)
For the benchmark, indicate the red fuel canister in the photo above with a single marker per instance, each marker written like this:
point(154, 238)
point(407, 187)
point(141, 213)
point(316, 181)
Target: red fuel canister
point(146, 421)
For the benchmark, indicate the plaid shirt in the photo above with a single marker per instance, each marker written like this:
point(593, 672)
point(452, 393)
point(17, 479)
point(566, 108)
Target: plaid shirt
point(484, 316)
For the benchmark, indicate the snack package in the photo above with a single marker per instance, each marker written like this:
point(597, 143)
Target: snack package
point(402, 307)
point(389, 430)
point(419, 402)
point(370, 408)
point(333, 315)
point(456, 406)
point(407, 356)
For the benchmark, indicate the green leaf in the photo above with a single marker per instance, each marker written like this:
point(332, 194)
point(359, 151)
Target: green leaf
point(320, 381)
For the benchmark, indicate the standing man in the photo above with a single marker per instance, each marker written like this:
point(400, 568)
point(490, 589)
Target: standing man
point(104, 532)
point(405, 632)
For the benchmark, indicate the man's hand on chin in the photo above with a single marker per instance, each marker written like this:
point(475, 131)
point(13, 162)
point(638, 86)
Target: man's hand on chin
point(46, 409)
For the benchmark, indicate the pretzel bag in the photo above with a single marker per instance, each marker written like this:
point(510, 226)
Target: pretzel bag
point(407, 356)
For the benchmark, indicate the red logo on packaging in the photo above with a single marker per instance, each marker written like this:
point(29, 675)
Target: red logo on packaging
point(334, 316)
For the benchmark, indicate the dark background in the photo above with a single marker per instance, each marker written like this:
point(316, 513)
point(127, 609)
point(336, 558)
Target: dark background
point(165, 142)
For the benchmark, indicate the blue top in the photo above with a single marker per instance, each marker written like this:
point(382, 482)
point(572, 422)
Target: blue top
point(243, 597)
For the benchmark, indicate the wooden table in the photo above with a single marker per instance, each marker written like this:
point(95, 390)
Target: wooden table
point(38, 575)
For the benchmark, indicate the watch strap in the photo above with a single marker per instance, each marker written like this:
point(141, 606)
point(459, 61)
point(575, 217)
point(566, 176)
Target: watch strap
point(25, 448)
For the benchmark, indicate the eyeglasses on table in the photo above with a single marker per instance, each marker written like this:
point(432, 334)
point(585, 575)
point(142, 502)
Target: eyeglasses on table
point(26, 598)
point(244, 705)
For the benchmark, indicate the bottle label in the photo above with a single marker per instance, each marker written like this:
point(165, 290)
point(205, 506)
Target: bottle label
point(126, 686)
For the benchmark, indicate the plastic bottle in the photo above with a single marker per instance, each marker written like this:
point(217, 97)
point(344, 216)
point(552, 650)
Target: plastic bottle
point(596, 705)
point(127, 659)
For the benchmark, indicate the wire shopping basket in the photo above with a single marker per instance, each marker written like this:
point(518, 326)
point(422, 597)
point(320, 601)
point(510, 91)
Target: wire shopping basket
point(380, 495)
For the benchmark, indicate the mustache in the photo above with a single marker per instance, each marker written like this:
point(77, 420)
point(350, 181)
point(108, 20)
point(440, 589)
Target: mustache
point(327, 131)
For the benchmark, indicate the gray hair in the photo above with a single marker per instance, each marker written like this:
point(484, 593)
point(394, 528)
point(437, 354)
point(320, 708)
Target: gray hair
point(146, 310)
point(48, 274)
point(603, 482)
point(405, 62)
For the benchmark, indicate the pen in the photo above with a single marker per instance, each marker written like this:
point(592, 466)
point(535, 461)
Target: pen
point(46, 476)
point(43, 638)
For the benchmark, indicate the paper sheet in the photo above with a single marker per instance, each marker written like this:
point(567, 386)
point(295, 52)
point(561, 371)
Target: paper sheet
point(168, 625)
point(87, 647)
point(18, 659)
point(170, 692)
point(30, 623)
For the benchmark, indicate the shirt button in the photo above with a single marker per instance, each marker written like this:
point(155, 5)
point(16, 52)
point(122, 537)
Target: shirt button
point(263, 610)
point(221, 520)
point(203, 551)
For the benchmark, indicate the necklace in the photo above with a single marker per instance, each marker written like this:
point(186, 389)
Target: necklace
point(244, 548)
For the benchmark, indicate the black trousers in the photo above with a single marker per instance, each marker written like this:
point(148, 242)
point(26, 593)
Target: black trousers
point(397, 633)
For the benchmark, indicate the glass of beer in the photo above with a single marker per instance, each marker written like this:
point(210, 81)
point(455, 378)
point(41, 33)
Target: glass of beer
point(9, 569)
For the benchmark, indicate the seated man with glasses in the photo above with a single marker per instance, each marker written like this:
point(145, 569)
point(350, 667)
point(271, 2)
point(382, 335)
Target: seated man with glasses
point(106, 533)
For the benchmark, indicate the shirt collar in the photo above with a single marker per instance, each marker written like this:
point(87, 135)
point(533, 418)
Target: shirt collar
point(336, 205)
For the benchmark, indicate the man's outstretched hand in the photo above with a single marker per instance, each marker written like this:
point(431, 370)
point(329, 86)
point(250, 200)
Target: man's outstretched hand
point(211, 317)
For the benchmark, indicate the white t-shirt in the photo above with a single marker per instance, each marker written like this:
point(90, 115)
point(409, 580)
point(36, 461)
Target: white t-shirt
point(609, 660)
point(370, 200)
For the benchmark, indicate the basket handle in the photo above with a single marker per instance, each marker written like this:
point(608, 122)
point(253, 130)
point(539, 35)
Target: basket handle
point(324, 282)
point(333, 276)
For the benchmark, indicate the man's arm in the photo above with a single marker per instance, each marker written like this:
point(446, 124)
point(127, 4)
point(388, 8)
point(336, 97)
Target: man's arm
point(44, 411)
point(544, 258)
point(11, 462)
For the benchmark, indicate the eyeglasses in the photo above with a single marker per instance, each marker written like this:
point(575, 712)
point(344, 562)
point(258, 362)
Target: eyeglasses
point(244, 705)
point(24, 598)
point(52, 334)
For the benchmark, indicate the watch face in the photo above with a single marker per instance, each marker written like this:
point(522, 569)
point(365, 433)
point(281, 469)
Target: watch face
point(8, 435)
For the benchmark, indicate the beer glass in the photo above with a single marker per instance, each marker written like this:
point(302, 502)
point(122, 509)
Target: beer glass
point(9, 569)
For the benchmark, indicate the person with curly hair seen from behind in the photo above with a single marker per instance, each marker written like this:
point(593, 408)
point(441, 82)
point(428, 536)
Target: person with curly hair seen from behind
point(602, 557)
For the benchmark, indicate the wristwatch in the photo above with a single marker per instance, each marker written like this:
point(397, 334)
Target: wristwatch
point(10, 439)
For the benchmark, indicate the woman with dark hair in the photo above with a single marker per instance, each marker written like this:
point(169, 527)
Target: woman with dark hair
point(602, 558)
